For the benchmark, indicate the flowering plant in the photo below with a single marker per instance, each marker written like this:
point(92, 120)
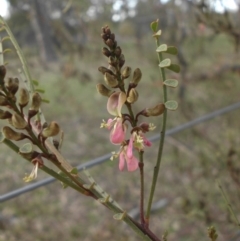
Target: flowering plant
point(26, 121)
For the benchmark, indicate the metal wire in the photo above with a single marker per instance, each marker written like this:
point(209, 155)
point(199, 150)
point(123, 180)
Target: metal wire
point(106, 157)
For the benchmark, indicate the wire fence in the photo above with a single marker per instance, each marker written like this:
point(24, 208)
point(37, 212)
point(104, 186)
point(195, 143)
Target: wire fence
point(99, 160)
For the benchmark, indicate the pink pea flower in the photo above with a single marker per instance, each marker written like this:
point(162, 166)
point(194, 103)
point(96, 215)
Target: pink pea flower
point(118, 130)
point(127, 156)
point(115, 103)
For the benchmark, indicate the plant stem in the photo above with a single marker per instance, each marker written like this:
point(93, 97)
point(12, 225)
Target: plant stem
point(141, 168)
point(160, 148)
point(49, 171)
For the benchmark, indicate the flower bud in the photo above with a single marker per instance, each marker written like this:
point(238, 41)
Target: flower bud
point(112, 36)
point(36, 102)
point(126, 72)
point(121, 60)
point(112, 61)
point(23, 97)
point(10, 134)
point(3, 101)
point(106, 51)
point(110, 80)
point(103, 70)
point(155, 111)
point(103, 90)
point(137, 75)
point(51, 130)
point(5, 114)
point(132, 96)
point(12, 85)
point(109, 42)
point(18, 122)
point(2, 74)
point(118, 51)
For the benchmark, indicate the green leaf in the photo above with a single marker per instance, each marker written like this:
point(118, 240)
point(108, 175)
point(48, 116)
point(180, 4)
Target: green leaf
point(35, 82)
point(171, 83)
point(26, 148)
point(171, 105)
point(46, 101)
point(64, 185)
point(74, 171)
point(158, 33)
point(2, 137)
point(172, 50)
point(165, 63)
point(5, 38)
point(7, 51)
point(119, 216)
point(40, 90)
point(174, 67)
point(154, 25)
point(162, 48)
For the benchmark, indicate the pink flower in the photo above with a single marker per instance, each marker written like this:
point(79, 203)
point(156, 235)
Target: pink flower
point(127, 156)
point(118, 132)
point(115, 103)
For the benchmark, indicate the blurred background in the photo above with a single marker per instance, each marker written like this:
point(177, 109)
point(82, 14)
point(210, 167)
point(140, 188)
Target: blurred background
point(61, 41)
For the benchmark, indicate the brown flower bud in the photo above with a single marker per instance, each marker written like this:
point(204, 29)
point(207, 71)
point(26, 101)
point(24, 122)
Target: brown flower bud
point(103, 70)
point(109, 42)
point(12, 85)
point(36, 102)
point(3, 101)
point(137, 75)
point(112, 61)
point(126, 72)
point(103, 90)
point(2, 74)
point(121, 60)
point(18, 122)
point(23, 97)
point(112, 36)
point(106, 51)
point(5, 114)
point(132, 96)
point(155, 111)
point(10, 134)
point(110, 80)
point(118, 51)
point(144, 126)
point(51, 130)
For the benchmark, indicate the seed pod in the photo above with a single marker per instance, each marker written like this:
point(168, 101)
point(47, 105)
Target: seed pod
point(137, 75)
point(12, 85)
point(51, 130)
point(155, 111)
point(126, 72)
point(5, 114)
point(110, 80)
point(133, 96)
point(18, 122)
point(10, 134)
point(23, 97)
point(103, 90)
